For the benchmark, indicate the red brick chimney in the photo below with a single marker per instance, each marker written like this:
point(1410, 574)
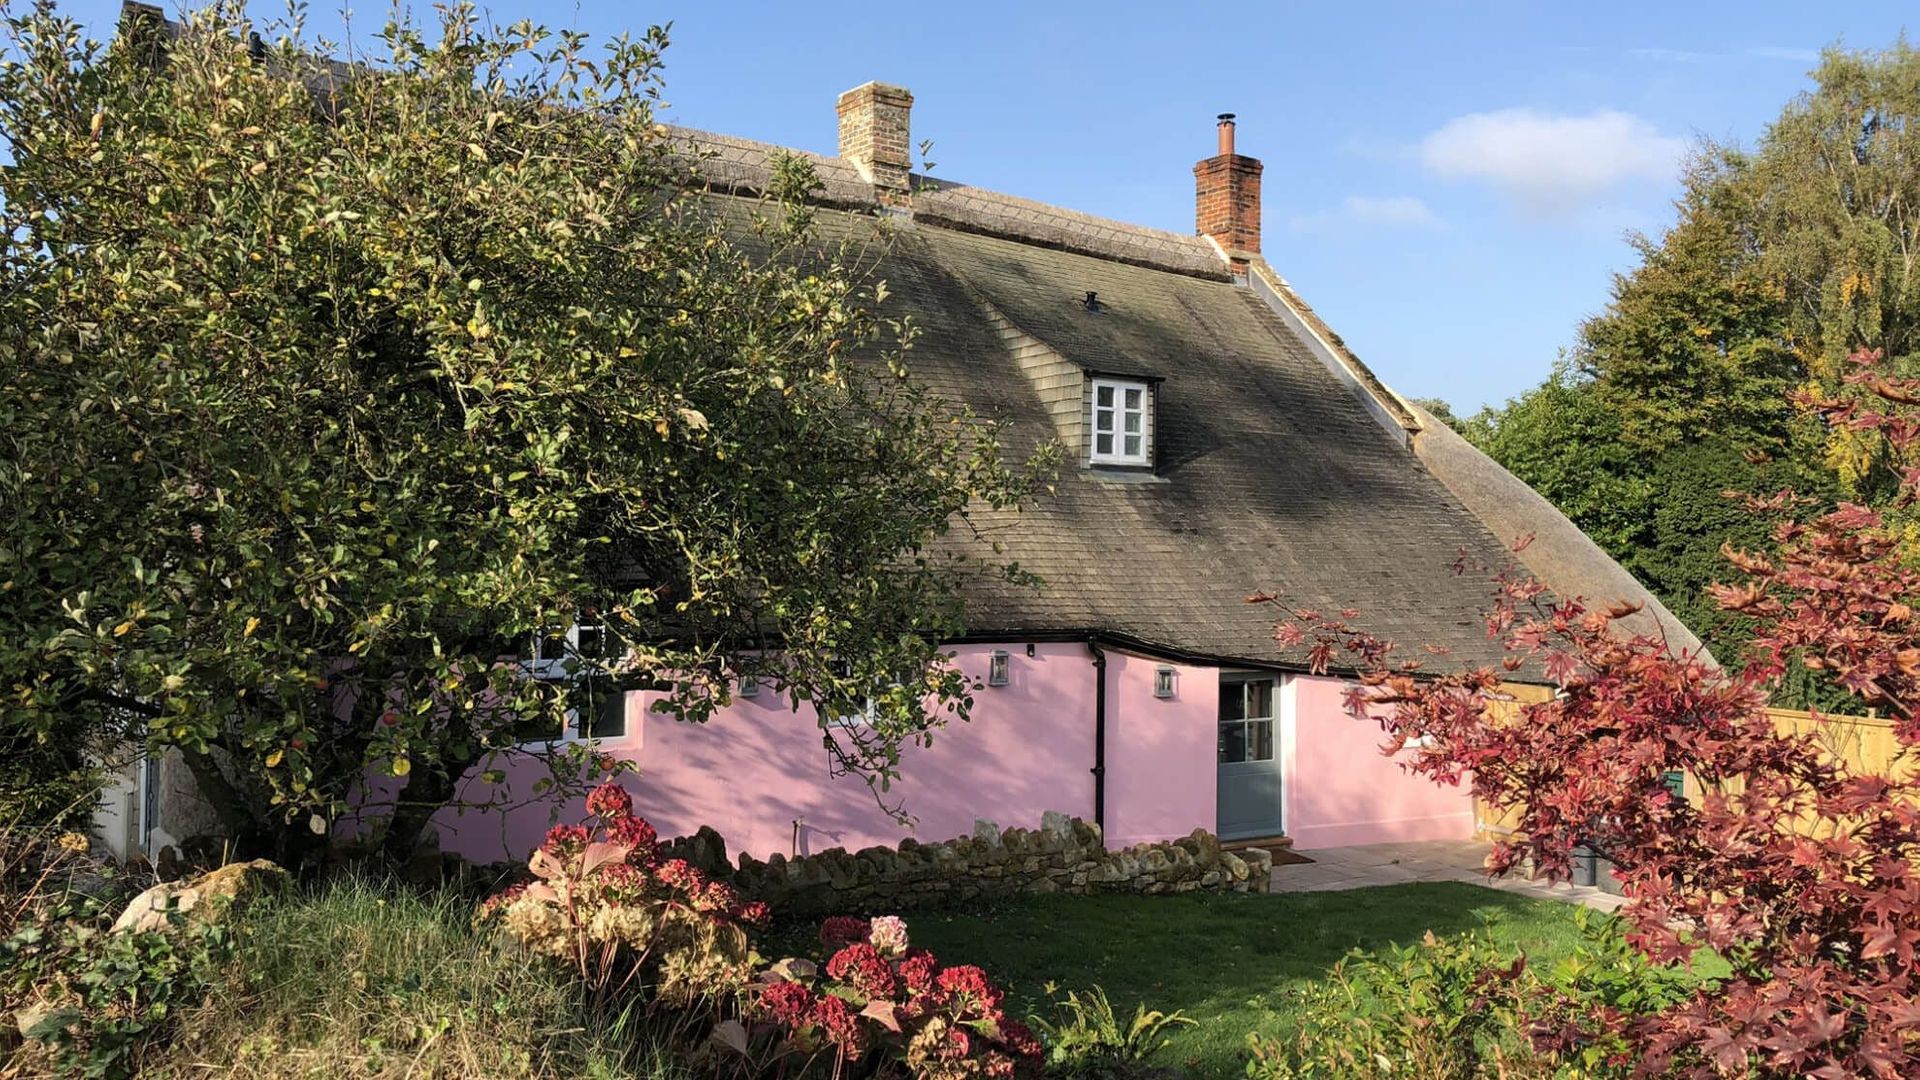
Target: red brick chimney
point(875, 136)
point(1227, 198)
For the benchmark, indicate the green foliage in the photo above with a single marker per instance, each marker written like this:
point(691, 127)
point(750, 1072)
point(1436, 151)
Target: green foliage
point(325, 389)
point(1692, 344)
point(1562, 440)
point(1086, 1038)
point(1444, 1009)
point(110, 996)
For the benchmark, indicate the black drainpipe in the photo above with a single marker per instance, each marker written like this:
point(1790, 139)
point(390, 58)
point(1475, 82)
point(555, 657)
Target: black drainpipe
point(1099, 769)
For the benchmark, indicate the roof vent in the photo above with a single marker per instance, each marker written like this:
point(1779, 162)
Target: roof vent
point(1092, 302)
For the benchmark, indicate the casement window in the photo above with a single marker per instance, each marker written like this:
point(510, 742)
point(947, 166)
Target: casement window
point(1246, 719)
point(574, 656)
point(1118, 413)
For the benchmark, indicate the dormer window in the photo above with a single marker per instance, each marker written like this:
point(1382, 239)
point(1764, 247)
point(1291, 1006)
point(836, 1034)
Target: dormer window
point(1118, 420)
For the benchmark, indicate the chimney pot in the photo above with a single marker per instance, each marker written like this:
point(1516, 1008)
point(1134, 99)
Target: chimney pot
point(1227, 198)
point(876, 136)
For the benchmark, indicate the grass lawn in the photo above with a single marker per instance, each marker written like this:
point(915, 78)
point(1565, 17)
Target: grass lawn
point(1230, 962)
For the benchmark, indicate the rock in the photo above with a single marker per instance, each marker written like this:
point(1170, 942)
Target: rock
point(208, 897)
point(986, 832)
point(1057, 826)
point(1234, 866)
point(1209, 879)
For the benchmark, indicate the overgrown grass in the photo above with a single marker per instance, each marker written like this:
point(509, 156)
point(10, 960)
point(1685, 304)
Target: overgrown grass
point(1235, 963)
point(364, 979)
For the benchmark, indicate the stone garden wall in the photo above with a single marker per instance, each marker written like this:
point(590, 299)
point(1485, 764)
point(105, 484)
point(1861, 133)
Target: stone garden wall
point(1063, 855)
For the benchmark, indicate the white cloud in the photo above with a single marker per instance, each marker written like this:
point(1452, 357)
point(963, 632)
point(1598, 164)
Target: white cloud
point(1391, 211)
point(1550, 162)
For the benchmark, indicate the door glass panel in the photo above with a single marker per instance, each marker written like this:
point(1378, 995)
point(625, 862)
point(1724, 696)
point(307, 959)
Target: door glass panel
point(1259, 740)
point(1260, 697)
point(1233, 743)
point(1233, 702)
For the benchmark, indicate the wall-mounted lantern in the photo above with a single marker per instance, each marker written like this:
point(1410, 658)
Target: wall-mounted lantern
point(749, 686)
point(997, 668)
point(1163, 681)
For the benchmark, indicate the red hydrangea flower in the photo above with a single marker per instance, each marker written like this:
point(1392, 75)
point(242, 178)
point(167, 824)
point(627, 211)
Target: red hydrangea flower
point(841, 1024)
point(716, 896)
point(756, 913)
point(861, 966)
point(637, 833)
point(790, 1003)
point(610, 801)
point(843, 930)
point(1020, 1039)
point(969, 985)
point(918, 970)
point(680, 874)
point(625, 881)
point(565, 841)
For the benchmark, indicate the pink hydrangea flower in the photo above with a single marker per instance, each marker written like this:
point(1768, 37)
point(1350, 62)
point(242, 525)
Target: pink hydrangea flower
point(888, 933)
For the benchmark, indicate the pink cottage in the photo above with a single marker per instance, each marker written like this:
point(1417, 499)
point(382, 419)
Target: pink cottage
point(1221, 441)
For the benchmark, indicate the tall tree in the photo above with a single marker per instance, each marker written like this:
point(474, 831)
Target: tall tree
point(325, 391)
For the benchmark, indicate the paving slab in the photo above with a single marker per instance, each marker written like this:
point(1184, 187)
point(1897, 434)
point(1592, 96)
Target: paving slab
point(1374, 865)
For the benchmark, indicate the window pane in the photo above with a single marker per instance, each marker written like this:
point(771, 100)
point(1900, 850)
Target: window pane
point(1233, 701)
point(1133, 399)
point(1233, 743)
point(1103, 444)
point(1259, 740)
point(1133, 446)
point(1103, 396)
point(1103, 419)
point(1260, 697)
point(553, 645)
point(609, 715)
point(1133, 423)
point(591, 642)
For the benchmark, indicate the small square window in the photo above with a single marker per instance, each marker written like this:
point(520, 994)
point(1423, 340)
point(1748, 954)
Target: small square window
point(1119, 422)
point(1163, 682)
point(997, 668)
point(750, 686)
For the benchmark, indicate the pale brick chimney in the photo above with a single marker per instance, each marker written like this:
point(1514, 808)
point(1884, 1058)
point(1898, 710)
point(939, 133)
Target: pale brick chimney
point(875, 136)
point(1227, 198)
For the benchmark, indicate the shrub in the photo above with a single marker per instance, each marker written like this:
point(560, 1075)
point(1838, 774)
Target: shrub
point(99, 999)
point(1086, 1038)
point(1444, 1009)
point(604, 901)
point(879, 1007)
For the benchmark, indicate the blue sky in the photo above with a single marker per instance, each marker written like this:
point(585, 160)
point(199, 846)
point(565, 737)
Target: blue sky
point(1448, 183)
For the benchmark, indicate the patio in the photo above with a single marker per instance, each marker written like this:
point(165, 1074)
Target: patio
point(1440, 860)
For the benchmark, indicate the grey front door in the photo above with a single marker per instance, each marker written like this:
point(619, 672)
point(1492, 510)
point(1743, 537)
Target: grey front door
point(1248, 799)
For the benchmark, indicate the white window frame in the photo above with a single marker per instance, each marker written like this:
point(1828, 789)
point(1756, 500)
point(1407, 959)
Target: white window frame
point(555, 670)
point(1119, 413)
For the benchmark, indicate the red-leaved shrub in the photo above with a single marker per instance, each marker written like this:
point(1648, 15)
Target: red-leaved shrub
point(1794, 865)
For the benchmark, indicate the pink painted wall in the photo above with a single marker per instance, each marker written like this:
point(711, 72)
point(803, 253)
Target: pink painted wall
point(757, 767)
point(1340, 789)
point(1161, 753)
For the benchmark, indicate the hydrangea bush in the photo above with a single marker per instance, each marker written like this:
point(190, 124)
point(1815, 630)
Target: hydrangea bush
point(881, 1004)
point(604, 900)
